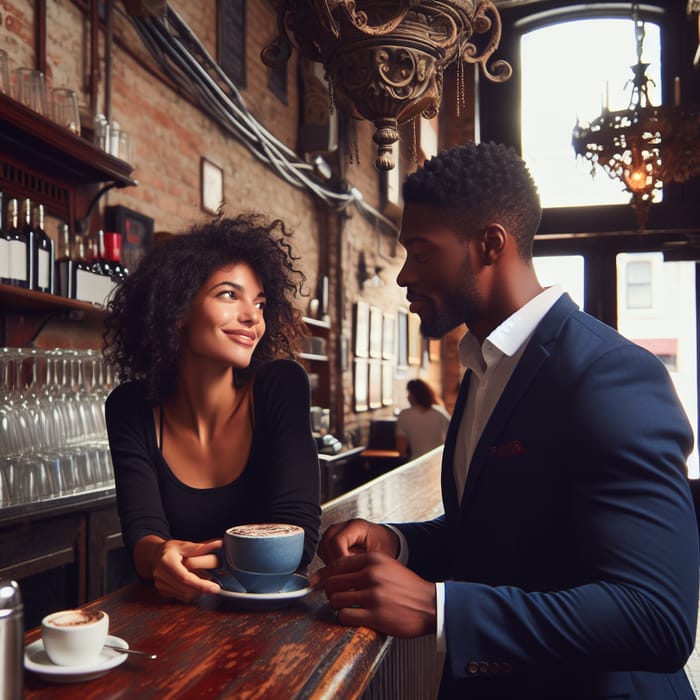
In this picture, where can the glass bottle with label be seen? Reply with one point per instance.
(43, 253)
(4, 246)
(82, 272)
(113, 251)
(30, 242)
(101, 263)
(64, 264)
(17, 246)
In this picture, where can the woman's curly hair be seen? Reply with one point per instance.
(142, 338)
(481, 184)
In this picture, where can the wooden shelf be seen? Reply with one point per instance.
(44, 146)
(18, 299)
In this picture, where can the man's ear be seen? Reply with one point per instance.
(493, 243)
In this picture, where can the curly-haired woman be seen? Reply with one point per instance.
(210, 425)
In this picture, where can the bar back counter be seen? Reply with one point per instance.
(218, 648)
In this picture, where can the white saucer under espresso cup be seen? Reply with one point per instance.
(74, 637)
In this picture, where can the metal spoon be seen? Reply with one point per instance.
(132, 651)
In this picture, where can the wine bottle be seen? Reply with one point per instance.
(17, 246)
(101, 263)
(82, 273)
(4, 246)
(90, 283)
(113, 251)
(30, 243)
(65, 264)
(43, 254)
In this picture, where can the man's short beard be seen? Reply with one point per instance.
(439, 324)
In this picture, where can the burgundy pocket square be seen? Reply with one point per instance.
(508, 449)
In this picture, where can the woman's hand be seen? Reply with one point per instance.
(175, 567)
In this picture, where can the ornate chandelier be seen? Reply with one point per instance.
(643, 146)
(384, 59)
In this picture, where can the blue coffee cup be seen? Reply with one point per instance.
(263, 556)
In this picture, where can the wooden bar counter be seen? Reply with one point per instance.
(213, 649)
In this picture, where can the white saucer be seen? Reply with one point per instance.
(36, 660)
(296, 587)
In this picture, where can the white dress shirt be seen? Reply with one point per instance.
(491, 365)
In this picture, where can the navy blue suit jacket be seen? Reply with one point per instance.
(571, 566)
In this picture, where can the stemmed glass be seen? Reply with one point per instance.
(26, 476)
(52, 428)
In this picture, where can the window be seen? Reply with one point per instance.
(569, 71)
(232, 43)
(638, 285)
(565, 270)
(277, 82)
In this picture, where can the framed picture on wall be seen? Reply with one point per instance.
(375, 383)
(414, 340)
(361, 385)
(402, 335)
(387, 383)
(388, 335)
(361, 329)
(212, 184)
(136, 230)
(375, 332)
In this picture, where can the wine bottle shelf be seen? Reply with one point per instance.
(29, 300)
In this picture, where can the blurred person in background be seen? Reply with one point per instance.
(422, 426)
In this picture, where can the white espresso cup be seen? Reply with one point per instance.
(74, 637)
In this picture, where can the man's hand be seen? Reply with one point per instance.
(375, 590)
(356, 536)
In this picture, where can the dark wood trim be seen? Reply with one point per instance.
(40, 34)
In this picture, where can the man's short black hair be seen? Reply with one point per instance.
(480, 184)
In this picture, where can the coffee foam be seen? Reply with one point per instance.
(75, 618)
(265, 530)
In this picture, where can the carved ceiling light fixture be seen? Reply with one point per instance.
(643, 146)
(384, 59)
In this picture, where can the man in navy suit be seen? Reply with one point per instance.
(565, 564)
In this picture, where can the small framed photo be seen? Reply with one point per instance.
(361, 328)
(387, 383)
(375, 332)
(375, 383)
(402, 334)
(414, 340)
(212, 184)
(388, 336)
(361, 385)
